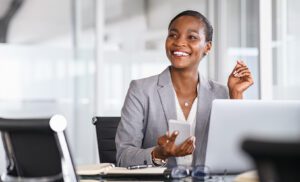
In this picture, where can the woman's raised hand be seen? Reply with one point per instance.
(239, 80)
(166, 146)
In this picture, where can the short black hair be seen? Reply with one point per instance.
(208, 28)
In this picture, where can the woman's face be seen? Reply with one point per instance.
(186, 44)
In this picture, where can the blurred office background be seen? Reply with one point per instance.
(77, 57)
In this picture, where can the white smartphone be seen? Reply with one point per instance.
(184, 128)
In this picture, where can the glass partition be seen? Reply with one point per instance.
(238, 35)
(286, 45)
(47, 61)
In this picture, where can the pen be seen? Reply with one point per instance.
(139, 166)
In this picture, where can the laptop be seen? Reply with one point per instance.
(232, 121)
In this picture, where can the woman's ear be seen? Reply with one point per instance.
(207, 47)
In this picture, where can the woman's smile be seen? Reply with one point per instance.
(180, 53)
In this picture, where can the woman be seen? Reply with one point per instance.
(179, 93)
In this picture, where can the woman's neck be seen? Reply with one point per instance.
(184, 81)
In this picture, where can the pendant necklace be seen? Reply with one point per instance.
(186, 103)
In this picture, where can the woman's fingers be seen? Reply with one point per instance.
(241, 71)
(162, 140)
(173, 136)
(186, 147)
(240, 65)
(239, 81)
(235, 68)
(241, 62)
(169, 144)
(244, 73)
(170, 149)
(238, 70)
(191, 149)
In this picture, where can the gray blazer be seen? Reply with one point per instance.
(148, 106)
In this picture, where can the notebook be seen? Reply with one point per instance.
(109, 170)
(94, 169)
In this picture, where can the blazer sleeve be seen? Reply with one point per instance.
(130, 132)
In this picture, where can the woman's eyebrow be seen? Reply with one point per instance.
(193, 31)
(173, 30)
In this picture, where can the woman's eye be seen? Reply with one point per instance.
(191, 37)
(172, 36)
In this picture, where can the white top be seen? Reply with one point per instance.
(187, 160)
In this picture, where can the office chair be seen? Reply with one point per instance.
(106, 128)
(275, 161)
(36, 150)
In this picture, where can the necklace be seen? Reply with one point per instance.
(186, 103)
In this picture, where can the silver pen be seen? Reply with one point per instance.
(139, 166)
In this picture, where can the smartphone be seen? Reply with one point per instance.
(184, 128)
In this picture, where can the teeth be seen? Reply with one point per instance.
(178, 53)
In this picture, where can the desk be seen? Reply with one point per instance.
(94, 169)
(189, 179)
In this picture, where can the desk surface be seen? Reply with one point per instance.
(93, 178)
(226, 179)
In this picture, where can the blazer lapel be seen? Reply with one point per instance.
(205, 96)
(202, 120)
(166, 94)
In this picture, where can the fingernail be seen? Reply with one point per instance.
(241, 62)
(176, 132)
(234, 72)
(193, 138)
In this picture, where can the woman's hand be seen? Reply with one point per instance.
(239, 80)
(166, 146)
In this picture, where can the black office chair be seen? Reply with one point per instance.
(106, 128)
(36, 150)
(275, 161)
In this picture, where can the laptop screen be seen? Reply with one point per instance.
(234, 120)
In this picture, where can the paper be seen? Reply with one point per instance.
(110, 169)
(149, 170)
(94, 169)
(250, 176)
(184, 128)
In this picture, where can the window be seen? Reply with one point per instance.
(286, 45)
(47, 67)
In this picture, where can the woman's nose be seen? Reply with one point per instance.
(180, 42)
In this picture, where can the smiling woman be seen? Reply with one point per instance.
(181, 93)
